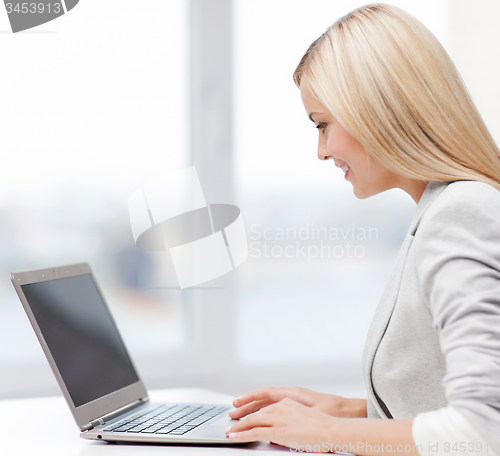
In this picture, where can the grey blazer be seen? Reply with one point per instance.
(435, 338)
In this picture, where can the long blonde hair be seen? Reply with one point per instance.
(386, 78)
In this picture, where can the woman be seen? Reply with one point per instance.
(392, 112)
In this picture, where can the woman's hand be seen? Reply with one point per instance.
(288, 423)
(327, 403)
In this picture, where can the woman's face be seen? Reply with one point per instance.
(367, 176)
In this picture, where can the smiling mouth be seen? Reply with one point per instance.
(344, 167)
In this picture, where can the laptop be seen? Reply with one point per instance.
(94, 370)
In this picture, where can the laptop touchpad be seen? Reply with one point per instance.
(224, 421)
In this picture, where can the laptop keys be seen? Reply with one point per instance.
(173, 420)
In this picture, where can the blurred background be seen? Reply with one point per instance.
(115, 94)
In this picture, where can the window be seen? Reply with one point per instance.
(96, 103)
(93, 106)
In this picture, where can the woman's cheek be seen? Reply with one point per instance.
(336, 147)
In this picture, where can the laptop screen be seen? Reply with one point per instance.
(81, 336)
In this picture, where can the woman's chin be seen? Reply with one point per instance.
(362, 193)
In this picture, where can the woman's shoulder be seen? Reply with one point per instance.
(471, 188)
(461, 207)
(466, 199)
(462, 220)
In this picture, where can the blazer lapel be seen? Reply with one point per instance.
(388, 300)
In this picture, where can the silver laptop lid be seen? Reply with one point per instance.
(80, 340)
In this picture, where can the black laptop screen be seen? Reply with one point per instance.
(81, 337)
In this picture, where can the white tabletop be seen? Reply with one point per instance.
(45, 427)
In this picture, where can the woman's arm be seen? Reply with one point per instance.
(457, 257)
(375, 437)
(305, 429)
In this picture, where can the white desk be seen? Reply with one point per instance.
(45, 427)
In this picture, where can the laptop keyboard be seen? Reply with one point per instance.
(173, 419)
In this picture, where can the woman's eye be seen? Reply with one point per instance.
(321, 126)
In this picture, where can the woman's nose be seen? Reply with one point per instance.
(323, 152)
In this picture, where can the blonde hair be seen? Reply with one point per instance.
(386, 78)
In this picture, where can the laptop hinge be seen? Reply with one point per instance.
(103, 419)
